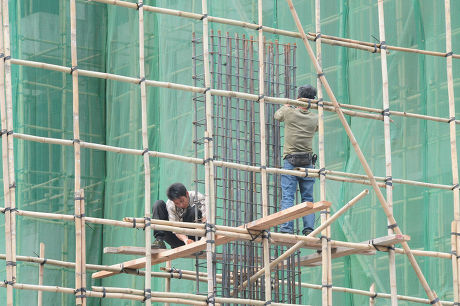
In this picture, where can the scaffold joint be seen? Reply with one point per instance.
(74, 68)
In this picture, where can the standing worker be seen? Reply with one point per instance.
(300, 125)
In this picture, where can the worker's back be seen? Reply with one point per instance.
(299, 128)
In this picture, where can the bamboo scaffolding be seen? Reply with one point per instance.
(453, 135)
(5, 164)
(146, 159)
(431, 295)
(226, 93)
(299, 244)
(326, 268)
(81, 265)
(80, 274)
(301, 172)
(263, 152)
(375, 295)
(388, 47)
(41, 269)
(186, 275)
(221, 230)
(387, 137)
(327, 39)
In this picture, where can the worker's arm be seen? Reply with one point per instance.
(184, 238)
(173, 217)
(279, 115)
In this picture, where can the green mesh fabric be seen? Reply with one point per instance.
(107, 38)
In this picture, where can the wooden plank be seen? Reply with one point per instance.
(315, 259)
(294, 212)
(129, 250)
(189, 249)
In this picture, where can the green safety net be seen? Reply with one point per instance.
(110, 113)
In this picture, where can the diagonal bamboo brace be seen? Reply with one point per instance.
(431, 295)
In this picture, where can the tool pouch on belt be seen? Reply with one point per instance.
(301, 159)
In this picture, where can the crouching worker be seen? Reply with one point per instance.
(182, 206)
(300, 125)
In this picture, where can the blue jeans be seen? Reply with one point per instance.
(289, 188)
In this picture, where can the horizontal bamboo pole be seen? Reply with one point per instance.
(223, 93)
(376, 110)
(188, 228)
(389, 47)
(376, 294)
(343, 289)
(326, 39)
(300, 173)
(90, 293)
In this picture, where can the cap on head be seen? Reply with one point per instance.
(307, 91)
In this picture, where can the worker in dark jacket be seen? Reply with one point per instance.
(300, 125)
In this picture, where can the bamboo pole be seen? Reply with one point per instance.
(41, 269)
(145, 145)
(5, 163)
(327, 39)
(301, 172)
(325, 250)
(452, 130)
(227, 93)
(299, 244)
(388, 47)
(453, 248)
(431, 295)
(263, 151)
(79, 229)
(375, 294)
(377, 110)
(372, 298)
(209, 164)
(387, 141)
(167, 281)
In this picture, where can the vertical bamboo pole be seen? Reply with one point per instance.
(386, 128)
(209, 168)
(452, 130)
(145, 145)
(372, 299)
(83, 243)
(263, 149)
(41, 269)
(79, 243)
(5, 160)
(168, 279)
(431, 295)
(325, 245)
(453, 247)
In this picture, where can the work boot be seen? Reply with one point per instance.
(158, 244)
(307, 231)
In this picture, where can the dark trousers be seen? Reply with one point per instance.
(160, 212)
